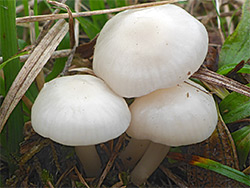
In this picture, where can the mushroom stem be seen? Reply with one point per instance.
(89, 159)
(133, 152)
(149, 163)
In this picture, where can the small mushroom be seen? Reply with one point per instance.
(80, 111)
(142, 50)
(181, 115)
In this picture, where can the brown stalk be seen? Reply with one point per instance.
(89, 13)
(71, 21)
(82, 180)
(213, 78)
(63, 176)
(73, 43)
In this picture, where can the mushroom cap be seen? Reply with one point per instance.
(142, 50)
(79, 110)
(181, 115)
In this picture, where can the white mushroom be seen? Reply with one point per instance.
(133, 152)
(142, 50)
(181, 115)
(80, 111)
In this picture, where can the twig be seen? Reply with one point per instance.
(50, 184)
(223, 14)
(82, 180)
(89, 13)
(246, 170)
(63, 175)
(173, 177)
(111, 160)
(71, 21)
(71, 33)
(246, 120)
(47, 26)
(68, 63)
(216, 79)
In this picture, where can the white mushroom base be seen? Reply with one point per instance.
(150, 161)
(133, 152)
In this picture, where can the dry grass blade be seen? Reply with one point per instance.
(173, 177)
(80, 177)
(71, 21)
(213, 78)
(31, 68)
(111, 160)
(247, 170)
(90, 13)
(71, 33)
(64, 175)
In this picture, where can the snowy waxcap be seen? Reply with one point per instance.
(181, 115)
(79, 110)
(142, 50)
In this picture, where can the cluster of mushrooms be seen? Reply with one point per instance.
(147, 54)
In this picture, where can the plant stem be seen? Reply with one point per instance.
(11, 136)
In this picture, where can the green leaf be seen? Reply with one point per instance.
(213, 166)
(236, 47)
(242, 141)
(98, 20)
(235, 107)
(89, 28)
(228, 67)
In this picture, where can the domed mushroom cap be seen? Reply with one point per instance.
(142, 50)
(79, 110)
(181, 115)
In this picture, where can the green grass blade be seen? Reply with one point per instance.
(11, 135)
(2, 65)
(235, 107)
(35, 14)
(26, 7)
(98, 20)
(213, 166)
(89, 28)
